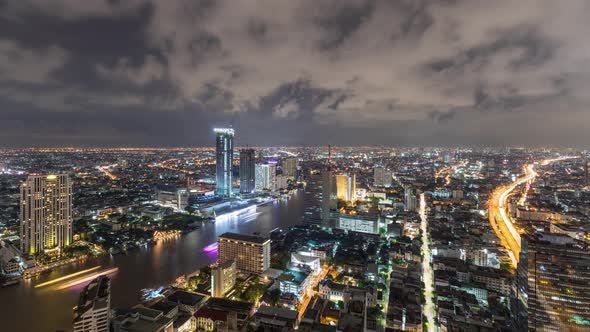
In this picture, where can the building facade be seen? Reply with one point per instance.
(45, 213)
(93, 312)
(346, 187)
(381, 177)
(251, 253)
(553, 284)
(247, 171)
(290, 167)
(223, 278)
(224, 152)
(265, 176)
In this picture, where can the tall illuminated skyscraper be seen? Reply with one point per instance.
(247, 171)
(346, 187)
(45, 213)
(224, 150)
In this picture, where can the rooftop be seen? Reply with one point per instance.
(244, 238)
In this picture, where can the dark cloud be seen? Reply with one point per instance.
(144, 72)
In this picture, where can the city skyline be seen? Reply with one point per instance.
(404, 73)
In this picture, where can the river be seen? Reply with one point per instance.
(25, 308)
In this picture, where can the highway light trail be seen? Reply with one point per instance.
(504, 226)
(427, 273)
(51, 282)
(87, 278)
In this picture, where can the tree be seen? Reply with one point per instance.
(275, 296)
(189, 209)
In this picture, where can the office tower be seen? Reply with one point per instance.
(552, 284)
(328, 197)
(94, 307)
(265, 176)
(346, 187)
(247, 171)
(251, 253)
(290, 167)
(224, 149)
(410, 201)
(381, 177)
(45, 213)
(223, 278)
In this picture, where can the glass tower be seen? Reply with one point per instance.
(247, 176)
(224, 149)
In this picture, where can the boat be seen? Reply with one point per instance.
(10, 282)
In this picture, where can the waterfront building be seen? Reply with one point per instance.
(346, 187)
(224, 152)
(223, 278)
(251, 253)
(93, 312)
(265, 176)
(553, 284)
(247, 171)
(290, 167)
(45, 213)
(382, 177)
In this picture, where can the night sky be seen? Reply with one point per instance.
(295, 72)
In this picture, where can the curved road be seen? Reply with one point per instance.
(500, 220)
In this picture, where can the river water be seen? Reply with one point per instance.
(25, 308)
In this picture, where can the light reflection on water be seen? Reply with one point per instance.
(149, 267)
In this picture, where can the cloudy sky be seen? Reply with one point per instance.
(305, 72)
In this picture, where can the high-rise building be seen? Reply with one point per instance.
(346, 187)
(45, 213)
(381, 177)
(265, 176)
(247, 171)
(93, 312)
(328, 199)
(251, 253)
(290, 167)
(410, 200)
(224, 150)
(223, 278)
(552, 284)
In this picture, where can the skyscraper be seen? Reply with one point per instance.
(381, 177)
(224, 149)
(346, 187)
(93, 312)
(290, 167)
(247, 171)
(45, 213)
(265, 176)
(552, 284)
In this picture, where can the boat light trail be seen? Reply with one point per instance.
(51, 282)
(88, 278)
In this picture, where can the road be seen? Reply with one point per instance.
(105, 170)
(500, 221)
(314, 282)
(428, 309)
